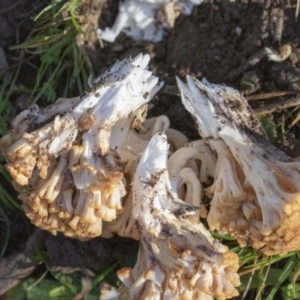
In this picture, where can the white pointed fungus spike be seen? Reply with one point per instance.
(66, 158)
(176, 260)
(256, 192)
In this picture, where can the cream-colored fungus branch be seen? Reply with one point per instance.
(176, 260)
(68, 160)
(264, 191)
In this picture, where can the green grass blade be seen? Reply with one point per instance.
(12, 83)
(102, 276)
(282, 277)
(50, 7)
(48, 83)
(6, 240)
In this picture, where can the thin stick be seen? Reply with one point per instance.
(279, 26)
(38, 281)
(270, 95)
(249, 282)
(263, 283)
(251, 61)
(280, 105)
(249, 270)
(297, 11)
(296, 120)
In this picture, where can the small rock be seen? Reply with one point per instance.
(289, 144)
(250, 82)
(294, 86)
(284, 74)
(295, 56)
(238, 31)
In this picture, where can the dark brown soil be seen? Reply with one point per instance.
(222, 41)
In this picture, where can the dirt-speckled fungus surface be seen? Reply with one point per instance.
(67, 161)
(256, 190)
(176, 260)
(124, 224)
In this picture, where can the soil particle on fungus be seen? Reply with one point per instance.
(250, 82)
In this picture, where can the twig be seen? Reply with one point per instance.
(280, 105)
(85, 56)
(249, 270)
(42, 43)
(249, 282)
(279, 26)
(263, 283)
(295, 277)
(297, 11)
(38, 281)
(270, 95)
(296, 120)
(252, 61)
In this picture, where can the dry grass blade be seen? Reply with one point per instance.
(277, 106)
(263, 283)
(249, 283)
(270, 95)
(247, 271)
(296, 120)
(43, 41)
(297, 10)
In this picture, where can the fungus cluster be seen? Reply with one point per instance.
(176, 260)
(95, 165)
(148, 20)
(256, 190)
(68, 160)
